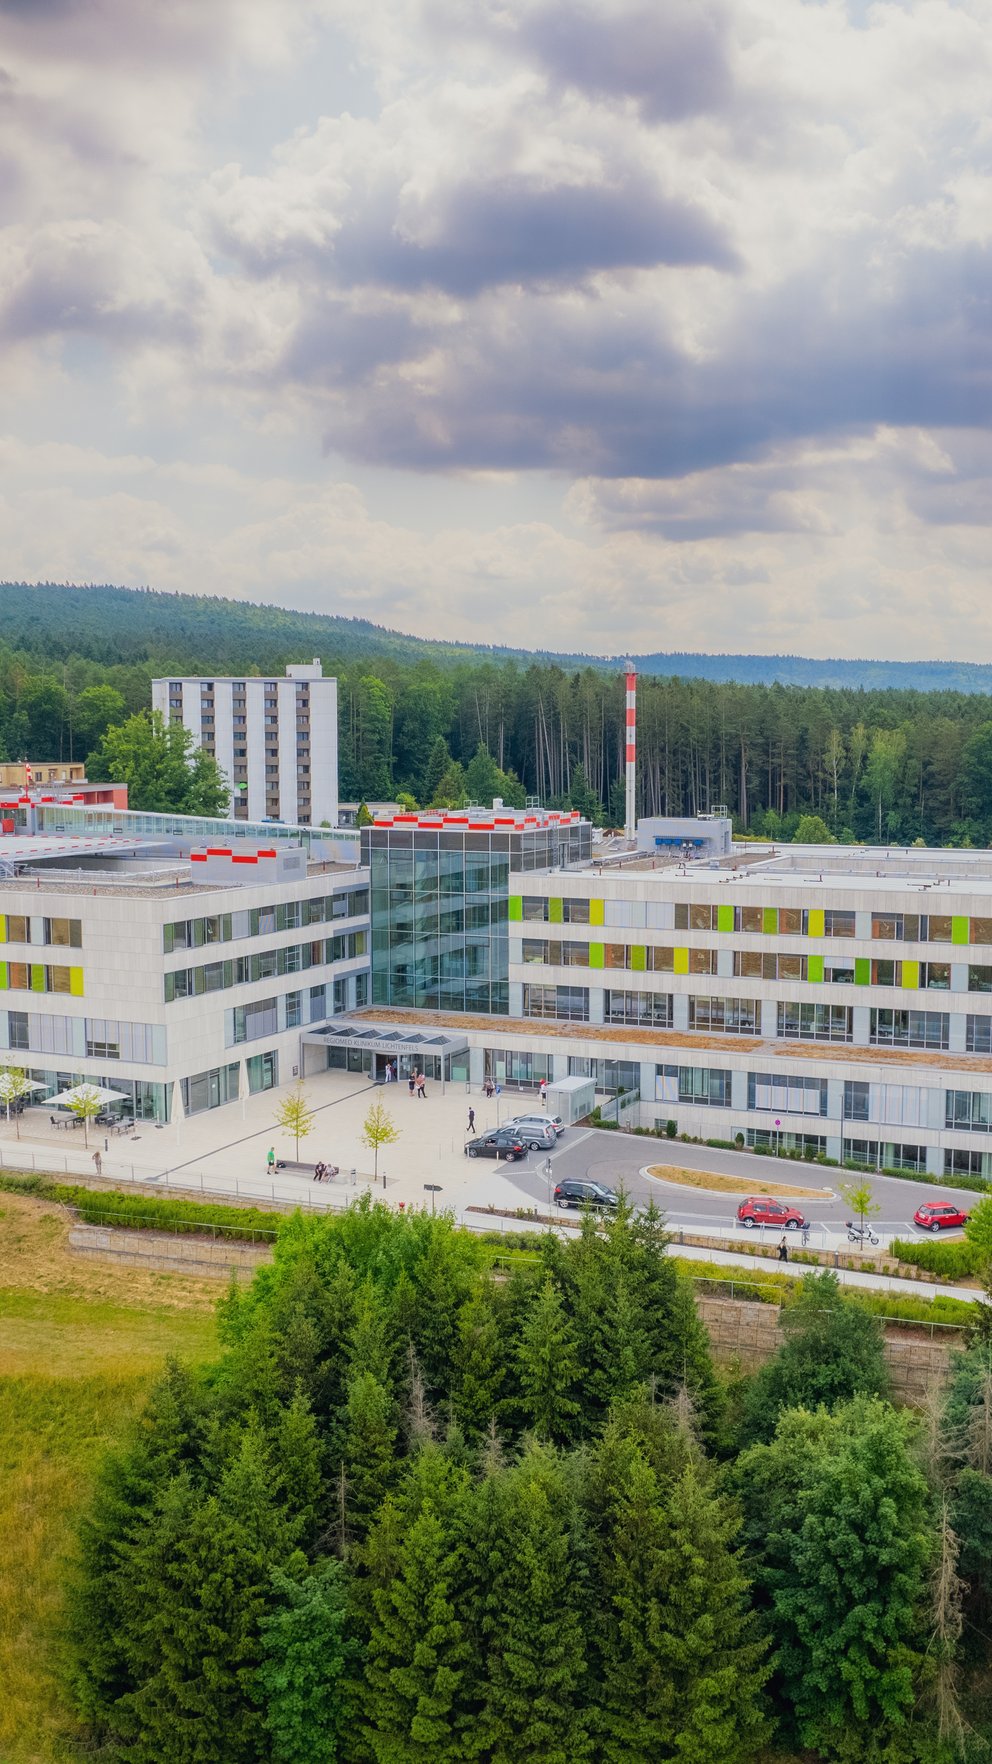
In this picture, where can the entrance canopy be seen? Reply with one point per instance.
(383, 1039)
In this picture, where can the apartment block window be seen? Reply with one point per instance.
(653, 1009)
(727, 1016)
(909, 1029)
(968, 1111)
(785, 1094)
(815, 1022)
(978, 1034)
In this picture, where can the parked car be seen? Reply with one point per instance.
(760, 1209)
(502, 1142)
(537, 1134)
(555, 1122)
(575, 1193)
(939, 1216)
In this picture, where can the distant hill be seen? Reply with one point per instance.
(55, 621)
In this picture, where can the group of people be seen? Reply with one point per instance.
(325, 1172)
(417, 1085)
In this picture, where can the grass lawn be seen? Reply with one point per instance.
(717, 1184)
(79, 1343)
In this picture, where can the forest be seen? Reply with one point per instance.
(892, 765)
(431, 1506)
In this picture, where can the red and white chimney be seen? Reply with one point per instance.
(630, 827)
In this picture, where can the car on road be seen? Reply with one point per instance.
(502, 1142)
(760, 1209)
(575, 1192)
(546, 1122)
(537, 1135)
(939, 1216)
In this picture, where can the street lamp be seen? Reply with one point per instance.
(548, 1174)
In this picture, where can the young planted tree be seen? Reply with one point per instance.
(85, 1105)
(378, 1129)
(294, 1115)
(860, 1197)
(14, 1084)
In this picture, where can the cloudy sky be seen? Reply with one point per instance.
(604, 324)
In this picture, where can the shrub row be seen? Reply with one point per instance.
(147, 1212)
(955, 1261)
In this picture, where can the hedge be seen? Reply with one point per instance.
(147, 1212)
(956, 1261)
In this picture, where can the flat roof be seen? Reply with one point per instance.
(45, 848)
(915, 870)
(374, 1038)
(483, 820)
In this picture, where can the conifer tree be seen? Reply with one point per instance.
(298, 1467)
(369, 1448)
(417, 1652)
(527, 1615)
(479, 1362)
(439, 1293)
(832, 1352)
(306, 1655)
(548, 1368)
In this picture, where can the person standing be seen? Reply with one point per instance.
(783, 1251)
(270, 1161)
(471, 1121)
(97, 1163)
(412, 1082)
(544, 1094)
(422, 1086)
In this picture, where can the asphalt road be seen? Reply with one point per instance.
(618, 1158)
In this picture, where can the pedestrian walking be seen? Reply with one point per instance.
(270, 1161)
(783, 1251)
(471, 1121)
(97, 1163)
(412, 1083)
(422, 1086)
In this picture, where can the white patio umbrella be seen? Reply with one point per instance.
(89, 1093)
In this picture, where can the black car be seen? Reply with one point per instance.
(585, 1194)
(502, 1142)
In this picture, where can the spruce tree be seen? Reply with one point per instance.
(548, 1368)
(479, 1362)
(417, 1652)
(527, 1615)
(369, 1448)
(832, 1351)
(306, 1654)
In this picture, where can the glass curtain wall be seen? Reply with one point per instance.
(439, 919)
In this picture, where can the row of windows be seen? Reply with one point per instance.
(40, 977)
(36, 928)
(264, 921)
(771, 921)
(268, 964)
(752, 964)
(95, 1038)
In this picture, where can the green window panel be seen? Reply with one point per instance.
(816, 922)
(724, 918)
(37, 973)
(769, 921)
(960, 929)
(596, 955)
(680, 961)
(814, 967)
(597, 912)
(3, 927)
(515, 907)
(555, 914)
(4, 976)
(76, 982)
(862, 971)
(639, 958)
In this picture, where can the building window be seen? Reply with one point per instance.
(909, 1029)
(815, 1022)
(884, 1154)
(361, 990)
(979, 979)
(210, 1090)
(969, 1111)
(611, 1076)
(254, 1020)
(838, 924)
(772, 1093)
(729, 1016)
(653, 1009)
(857, 1100)
(978, 1034)
(778, 1139)
(967, 1163)
(700, 1086)
(567, 1003)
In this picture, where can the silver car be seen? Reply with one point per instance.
(536, 1131)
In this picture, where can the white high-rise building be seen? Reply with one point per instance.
(275, 739)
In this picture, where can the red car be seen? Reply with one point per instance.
(939, 1216)
(759, 1209)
